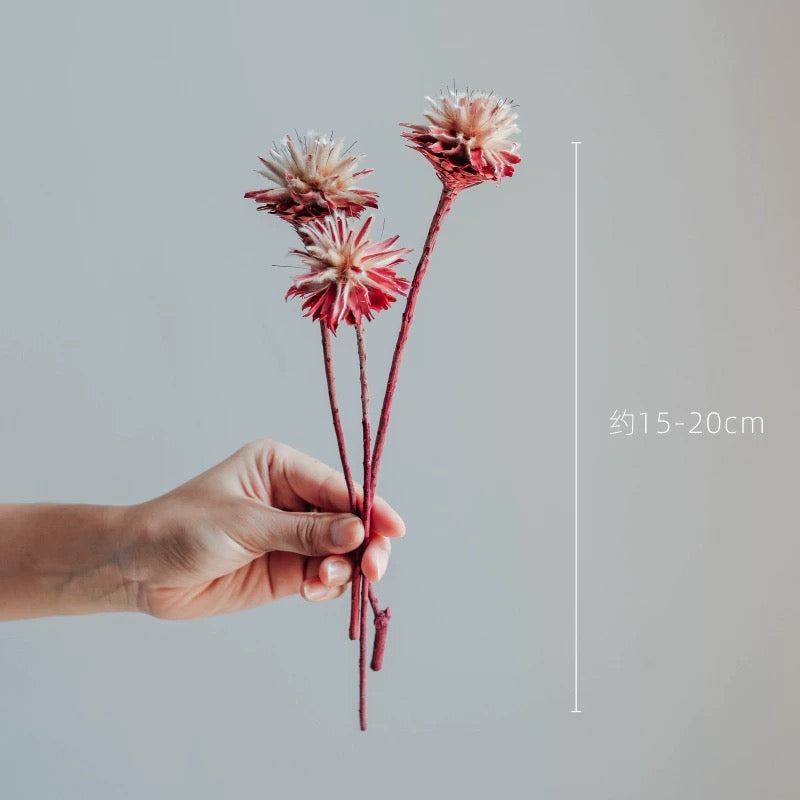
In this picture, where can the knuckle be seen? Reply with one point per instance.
(307, 532)
(264, 454)
(256, 446)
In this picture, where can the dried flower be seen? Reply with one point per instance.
(468, 140)
(314, 177)
(349, 277)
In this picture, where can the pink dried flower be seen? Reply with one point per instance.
(349, 277)
(313, 177)
(468, 140)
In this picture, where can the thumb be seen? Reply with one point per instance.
(314, 533)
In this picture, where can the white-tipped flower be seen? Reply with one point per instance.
(469, 138)
(349, 277)
(313, 176)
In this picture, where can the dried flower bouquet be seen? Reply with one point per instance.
(468, 139)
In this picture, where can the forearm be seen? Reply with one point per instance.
(63, 559)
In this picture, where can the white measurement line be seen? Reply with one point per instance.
(575, 709)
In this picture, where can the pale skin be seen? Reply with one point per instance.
(266, 523)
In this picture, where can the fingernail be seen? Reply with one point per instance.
(337, 571)
(314, 590)
(345, 532)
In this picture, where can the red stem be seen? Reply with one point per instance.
(381, 627)
(366, 514)
(355, 617)
(348, 474)
(381, 621)
(373, 601)
(362, 656)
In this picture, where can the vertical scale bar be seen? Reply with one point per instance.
(575, 709)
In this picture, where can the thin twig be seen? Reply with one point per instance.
(366, 517)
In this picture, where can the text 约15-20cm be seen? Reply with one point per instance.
(713, 423)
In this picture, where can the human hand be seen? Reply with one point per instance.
(247, 532)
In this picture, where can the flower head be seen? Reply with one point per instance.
(468, 140)
(313, 177)
(349, 277)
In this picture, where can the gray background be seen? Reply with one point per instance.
(144, 337)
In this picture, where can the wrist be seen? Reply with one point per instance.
(65, 559)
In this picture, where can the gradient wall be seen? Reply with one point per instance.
(143, 337)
